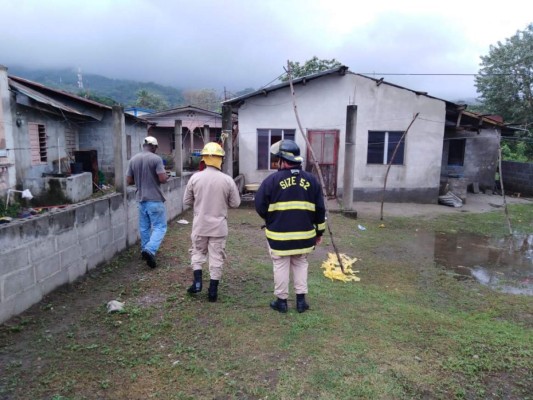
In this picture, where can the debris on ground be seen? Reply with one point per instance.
(114, 305)
(451, 200)
(332, 269)
(182, 221)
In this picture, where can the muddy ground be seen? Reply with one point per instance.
(170, 346)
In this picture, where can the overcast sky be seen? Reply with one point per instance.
(235, 44)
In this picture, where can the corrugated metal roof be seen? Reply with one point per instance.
(198, 118)
(41, 98)
(175, 110)
(338, 70)
(341, 70)
(41, 88)
(63, 100)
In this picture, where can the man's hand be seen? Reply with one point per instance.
(318, 240)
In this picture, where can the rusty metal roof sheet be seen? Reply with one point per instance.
(41, 98)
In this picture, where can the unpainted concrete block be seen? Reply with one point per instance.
(89, 246)
(52, 282)
(110, 251)
(13, 260)
(62, 221)
(105, 237)
(47, 266)
(16, 305)
(67, 239)
(103, 222)
(84, 213)
(77, 270)
(18, 282)
(118, 216)
(119, 232)
(95, 260)
(87, 230)
(69, 255)
(101, 207)
(42, 248)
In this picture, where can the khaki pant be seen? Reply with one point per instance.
(215, 248)
(283, 266)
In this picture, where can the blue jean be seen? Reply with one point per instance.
(152, 225)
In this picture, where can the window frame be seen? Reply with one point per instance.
(456, 152)
(38, 143)
(267, 133)
(385, 148)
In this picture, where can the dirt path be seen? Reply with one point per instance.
(475, 203)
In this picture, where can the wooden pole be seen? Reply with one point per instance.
(227, 139)
(315, 163)
(501, 185)
(390, 163)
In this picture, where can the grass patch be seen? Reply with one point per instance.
(407, 330)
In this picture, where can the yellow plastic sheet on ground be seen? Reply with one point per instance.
(332, 269)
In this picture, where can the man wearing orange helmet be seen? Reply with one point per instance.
(210, 192)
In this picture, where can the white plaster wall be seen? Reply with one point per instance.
(7, 162)
(30, 176)
(322, 103)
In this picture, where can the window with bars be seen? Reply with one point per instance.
(38, 147)
(381, 145)
(70, 141)
(265, 139)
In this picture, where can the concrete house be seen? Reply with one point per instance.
(43, 131)
(354, 123)
(470, 149)
(198, 126)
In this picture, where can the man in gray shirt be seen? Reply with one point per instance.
(147, 173)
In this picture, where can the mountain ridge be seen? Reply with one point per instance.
(101, 88)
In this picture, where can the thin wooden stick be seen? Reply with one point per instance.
(501, 186)
(315, 163)
(390, 163)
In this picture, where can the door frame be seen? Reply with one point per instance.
(331, 167)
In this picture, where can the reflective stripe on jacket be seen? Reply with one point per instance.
(291, 203)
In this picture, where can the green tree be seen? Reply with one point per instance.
(108, 101)
(505, 82)
(311, 66)
(515, 152)
(150, 100)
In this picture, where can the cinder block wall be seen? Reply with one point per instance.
(42, 253)
(518, 177)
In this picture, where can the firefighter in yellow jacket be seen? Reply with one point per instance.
(210, 192)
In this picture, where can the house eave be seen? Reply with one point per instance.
(236, 101)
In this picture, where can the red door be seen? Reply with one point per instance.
(325, 145)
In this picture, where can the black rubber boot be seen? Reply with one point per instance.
(212, 293)
(301, 305)
(196, 286)
(279, 305)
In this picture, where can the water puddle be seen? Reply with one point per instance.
(503, 264)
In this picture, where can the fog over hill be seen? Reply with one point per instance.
(122, 91)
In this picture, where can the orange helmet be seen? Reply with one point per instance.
(213, 149)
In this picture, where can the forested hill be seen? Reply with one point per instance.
(98, 87)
